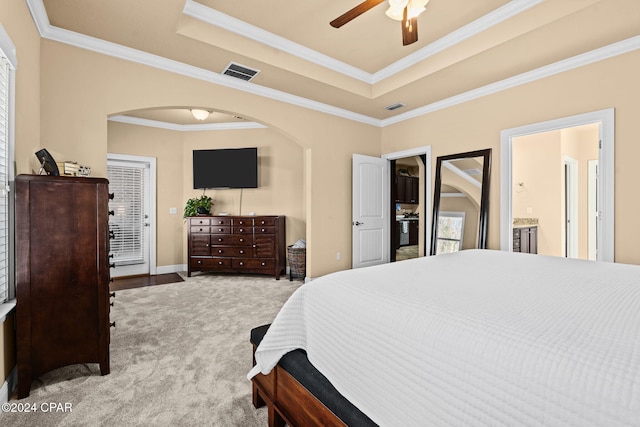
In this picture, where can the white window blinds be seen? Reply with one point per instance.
(4, 178)
(128, 221)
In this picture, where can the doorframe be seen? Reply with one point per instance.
(570, 207)
(592, 209)
(426, 215)
(606, 209)
(153, 269)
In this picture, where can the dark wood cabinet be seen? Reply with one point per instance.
(525, 239)
(241, 244)
(413, 232)
(62, 274)
(407, 189)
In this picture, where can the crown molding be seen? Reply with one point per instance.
(481, 24)
(186, 128)
(218, 19)
(596, 55)
(104, 47)
(82, 41)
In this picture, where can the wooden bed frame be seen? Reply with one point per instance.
(289, 402)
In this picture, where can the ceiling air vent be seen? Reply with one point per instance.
(394, 106)
(240, 71)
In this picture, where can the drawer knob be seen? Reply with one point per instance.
(199, 262)
(111, 196)
(241, 230)
(263, 263)
(112, 294)
(241, 263)
(220, 229)
(202, 229)
(219, 262)
(220, 222)
(219, 251)
(206, 244)
(112, 324)
(219, 240)
(112, 213)
(111, 304)
(242, 240)
(262, 223)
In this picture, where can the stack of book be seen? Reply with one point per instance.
(73, 169)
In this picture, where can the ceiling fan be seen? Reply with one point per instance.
(406, 11)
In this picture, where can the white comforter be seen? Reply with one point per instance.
(473, 338)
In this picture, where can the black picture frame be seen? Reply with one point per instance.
(47, 162)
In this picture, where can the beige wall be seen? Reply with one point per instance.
(477, 124)
(65, 109)
(281, 178)
(538, 182)
(16, 20)
(166, 147)
(538, 164)
(81, 88)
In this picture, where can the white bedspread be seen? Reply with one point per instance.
(473, 338)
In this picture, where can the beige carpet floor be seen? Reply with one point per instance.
(179, 357)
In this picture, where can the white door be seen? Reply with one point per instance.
(131, 222)
(370, 211)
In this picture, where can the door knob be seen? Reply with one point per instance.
(357, 223)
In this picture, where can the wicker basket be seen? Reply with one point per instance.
(297, 262)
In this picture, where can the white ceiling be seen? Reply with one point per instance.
(362, 67)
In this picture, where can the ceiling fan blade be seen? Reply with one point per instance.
(409, 29)
(355, 12)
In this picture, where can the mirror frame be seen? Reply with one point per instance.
(484, 197)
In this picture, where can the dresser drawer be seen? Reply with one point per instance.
(253, 263)
(231, 239)
(242, 230)
(260, 221)
(221, 221)
(200, 229)
(199, 221)
(243, 222)
(217, 229)
(264, 230)
(232, 251)
(210, 263)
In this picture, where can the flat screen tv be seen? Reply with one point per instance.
(225, 168)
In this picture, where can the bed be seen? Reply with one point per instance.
(478, 337)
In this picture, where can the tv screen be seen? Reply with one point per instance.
(225, 168)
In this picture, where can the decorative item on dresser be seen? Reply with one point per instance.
(62, 274)
(239, 244)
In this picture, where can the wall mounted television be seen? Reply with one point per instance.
(225, 168)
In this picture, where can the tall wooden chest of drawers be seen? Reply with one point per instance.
(238, 244)
(62, 274)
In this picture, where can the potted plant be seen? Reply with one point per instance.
(198, 206)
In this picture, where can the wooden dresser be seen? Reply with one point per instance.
(62, 274)
(239, 244)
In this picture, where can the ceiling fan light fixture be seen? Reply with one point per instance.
(199, 114)
(396, 9)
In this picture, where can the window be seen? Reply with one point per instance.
(450, 232)
(7, 67)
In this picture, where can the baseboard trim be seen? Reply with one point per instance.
(9, 385)
(165, 269)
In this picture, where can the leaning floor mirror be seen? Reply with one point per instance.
(461, 202)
